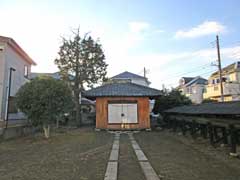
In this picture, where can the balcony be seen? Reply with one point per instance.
(229, 89)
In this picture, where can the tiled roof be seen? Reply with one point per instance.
(127, 75)
(218, 108)
(122, 89)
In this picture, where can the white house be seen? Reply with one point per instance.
(12, 58)
(131, 77)
(193, 87)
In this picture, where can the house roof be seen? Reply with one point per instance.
(55, 75)
(216, 108)
(127, 75)
(187, 79)
(85, 101)
(230, 68)
(125, 89)
(17, 49)
(197, 80)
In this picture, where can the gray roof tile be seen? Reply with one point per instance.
(126, 75)
(218, 108)
(122, 89)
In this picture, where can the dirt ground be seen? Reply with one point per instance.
(177, 157)
(79, 154)
(82, 154)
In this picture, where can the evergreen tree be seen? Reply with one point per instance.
(81, 61)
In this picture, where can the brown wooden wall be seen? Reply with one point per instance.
(102, 113)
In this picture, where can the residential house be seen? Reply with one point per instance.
(131, 77)
(193, 88)
(231, 84)
(13, 57)
(122, 105)
(55, 75)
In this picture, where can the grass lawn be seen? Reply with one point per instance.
(178, 157)
(79, 154)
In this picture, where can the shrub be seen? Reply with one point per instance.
(44, 100)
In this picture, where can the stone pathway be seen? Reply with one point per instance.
(112, 167)
(147, 169)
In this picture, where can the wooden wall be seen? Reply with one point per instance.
(102, 113)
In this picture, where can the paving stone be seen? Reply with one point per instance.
(133, 142)
(131, 137)
(114, 155)
(140, 155)
(111, 172)
(115, 145)
(148, 171)
(136, 146)
(116, 137)
(116, 141)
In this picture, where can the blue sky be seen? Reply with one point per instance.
(170, 38)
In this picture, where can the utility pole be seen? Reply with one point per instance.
(220, 68)
(144, 72)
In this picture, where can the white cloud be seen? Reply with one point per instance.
(206, 28)
(138, 27)
(166, 68)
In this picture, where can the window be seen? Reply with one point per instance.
(189, 90)
(218, 80)
(25, 71)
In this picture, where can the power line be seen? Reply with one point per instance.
(177, 75)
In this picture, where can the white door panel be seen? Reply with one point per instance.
(122, 113)
(132, 113)
(114, 113)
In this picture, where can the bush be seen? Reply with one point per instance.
(44, 100)
(209, 101)
(169, 100)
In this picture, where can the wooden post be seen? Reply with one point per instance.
(193, 129)
(205, 131)
(215, 132)
(174, 125)
(224, 135)
(183, 127)
(202, 130)
(233, 137)
(210, 132)
(168, 123)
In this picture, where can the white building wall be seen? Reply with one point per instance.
(2, 64)
(12, 59)
(197, 94)
(140, 82)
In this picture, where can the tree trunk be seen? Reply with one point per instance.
(46, 129)
(57, 123)
(78, 111)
